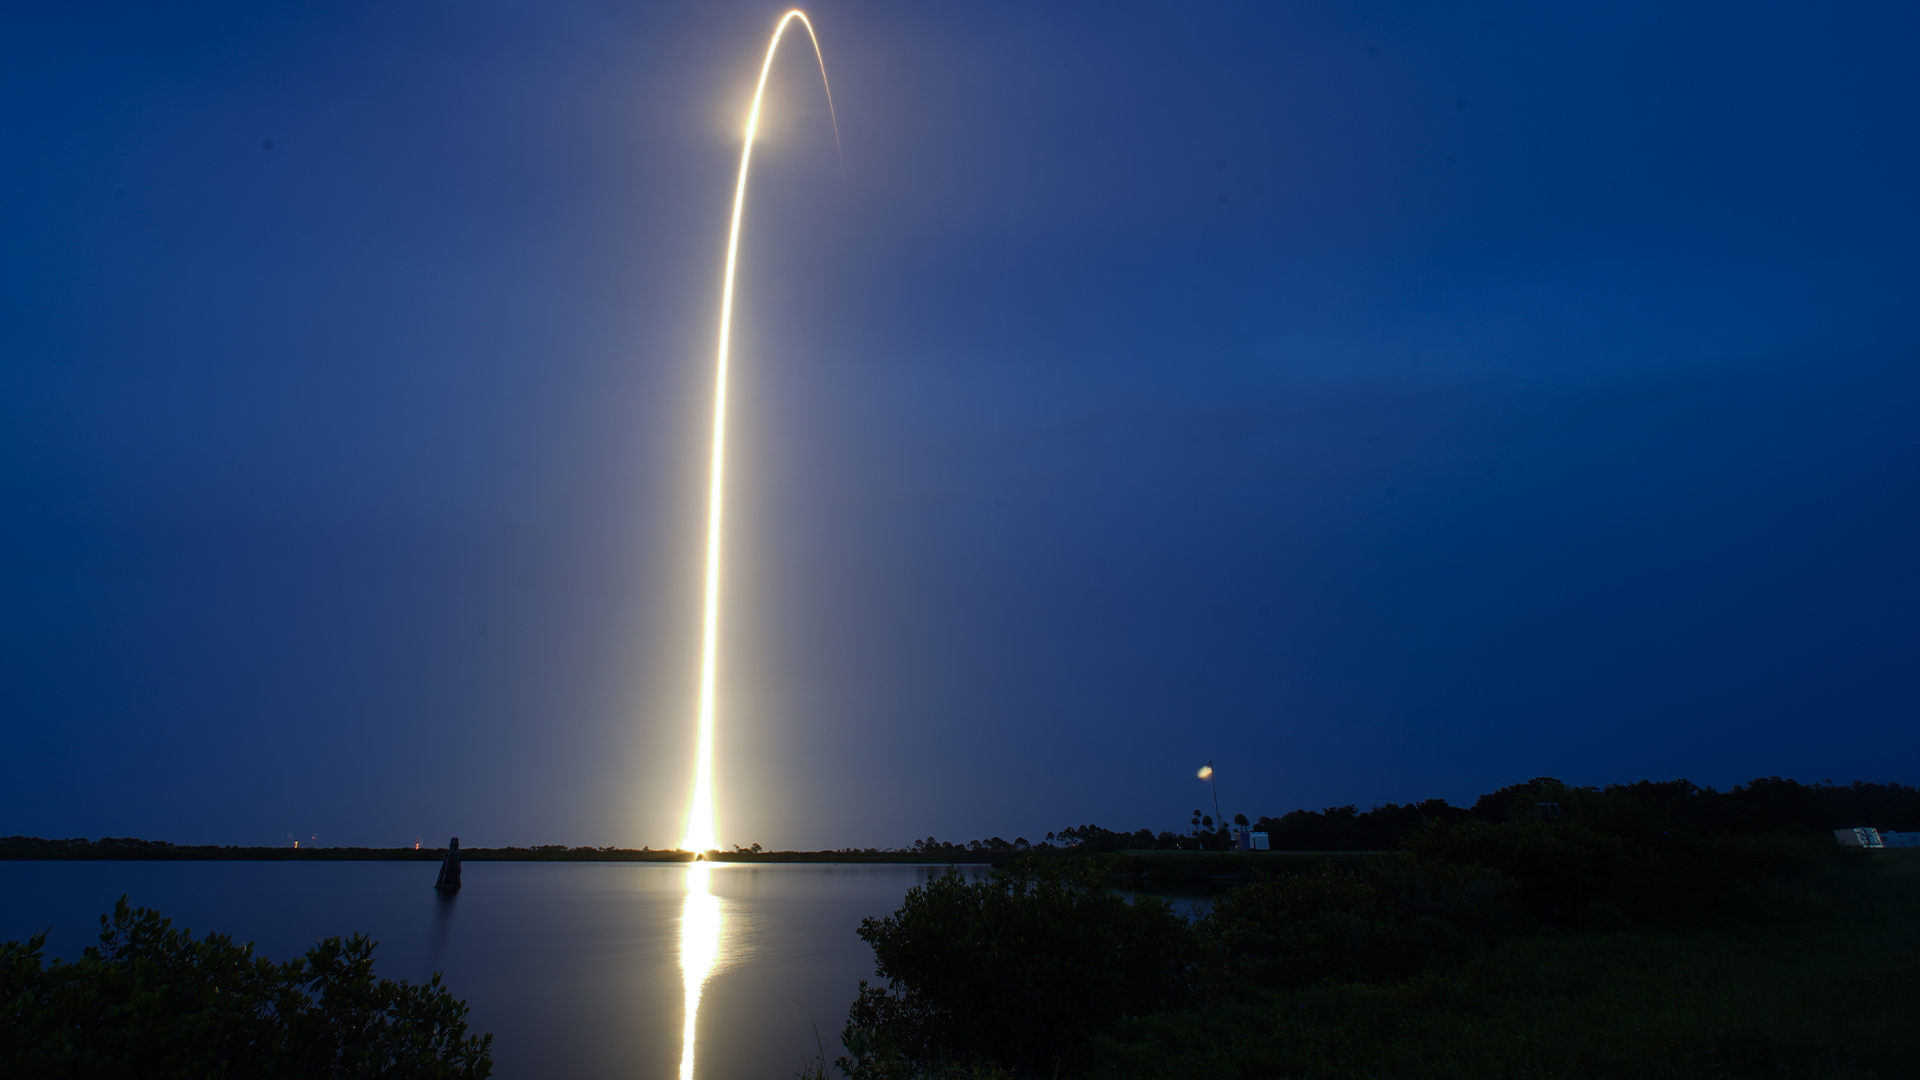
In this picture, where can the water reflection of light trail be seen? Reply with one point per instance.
(701, 832)
(700, 925)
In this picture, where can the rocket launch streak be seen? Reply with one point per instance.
(703, 918)
(702, 834)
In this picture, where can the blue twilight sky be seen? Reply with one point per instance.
(1382, 401)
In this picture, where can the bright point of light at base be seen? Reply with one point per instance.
(702, 832)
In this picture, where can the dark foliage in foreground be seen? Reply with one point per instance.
(1329, 923)
(150, 1001)
(1021, 970)
(1805, 997)
(1045, 971)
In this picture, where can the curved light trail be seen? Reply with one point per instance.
(702, 921)
(702, 834)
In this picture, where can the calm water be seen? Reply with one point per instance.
(579, 969)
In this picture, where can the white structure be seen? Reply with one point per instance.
(1861, 837)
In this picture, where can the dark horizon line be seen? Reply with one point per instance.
(33, 848)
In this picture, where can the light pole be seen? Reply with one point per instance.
(1206, 773)
(1213, 781)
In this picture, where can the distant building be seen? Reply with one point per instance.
(1900, 839)
(1861, 837)
(1247, 840)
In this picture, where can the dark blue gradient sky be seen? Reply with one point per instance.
(1383, 401)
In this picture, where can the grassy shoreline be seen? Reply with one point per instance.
(1821, 988)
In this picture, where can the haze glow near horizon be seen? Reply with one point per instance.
(702, 830)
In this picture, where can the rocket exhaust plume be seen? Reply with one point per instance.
(702, 919)
(702, 835)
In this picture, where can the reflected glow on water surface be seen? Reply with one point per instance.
(584, 971)
(701, 925)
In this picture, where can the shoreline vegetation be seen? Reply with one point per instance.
(1139, 865)
(152, 1000)
(1344, 834)
(1646, 930)
(110, 848)
(1637, 931)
